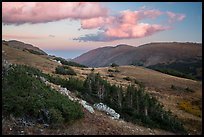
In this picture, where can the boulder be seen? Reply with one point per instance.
(86, 106)
(108, 110)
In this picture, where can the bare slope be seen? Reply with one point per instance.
(148, 54)
(23, 46)
(18, 56)
(104, 56)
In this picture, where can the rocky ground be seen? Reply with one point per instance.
(92, 124)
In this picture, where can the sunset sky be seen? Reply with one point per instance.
(68, 29)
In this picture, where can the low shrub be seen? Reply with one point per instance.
(111, 75)
(189, 89)
(65, 70)
(111, 70)
(24, 94)
(114, 65)
(127, 78)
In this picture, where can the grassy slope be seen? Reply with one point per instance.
(158, 84)
(21, 57)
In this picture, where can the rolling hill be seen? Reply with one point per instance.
(179, 57)
(147, 55)
(23, 46)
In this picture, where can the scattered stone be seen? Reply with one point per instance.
(46, 125)
(59, 62)
(43, 79)
(148, 128)
(110, 111)
(86, 106)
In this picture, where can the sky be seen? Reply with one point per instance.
(69, 29)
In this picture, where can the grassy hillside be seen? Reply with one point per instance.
(146, 55)
(179, 95)
(159, 85)
(188, 68)
(18, 56)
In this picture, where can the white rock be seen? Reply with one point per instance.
(43, 79)
(46, 83)
(86, 106)
(110, 111)
(59, 62)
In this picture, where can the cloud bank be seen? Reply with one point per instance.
(43, 12)
(126, 24)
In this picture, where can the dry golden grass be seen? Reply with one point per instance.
(189, 107)
(21, 57)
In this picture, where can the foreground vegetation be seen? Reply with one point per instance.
(25, 95)
(65, 70)
(133, 104)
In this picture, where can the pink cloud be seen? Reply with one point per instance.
(152, 14)
(175, 16)
(127, 17)
(126, 25)
(134, 30)
(34, 12)
(96, 22)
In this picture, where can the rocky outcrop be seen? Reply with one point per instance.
(67, 93)
(108, 110)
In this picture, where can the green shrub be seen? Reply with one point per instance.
(114, 65)
(141, 84)
(56, 117)
(111, 70)
(173, 87)
(127, 78)
(23, 94)
(133, 105)
(35, 52)
(111, 75)
(65, 70)
(189, 89)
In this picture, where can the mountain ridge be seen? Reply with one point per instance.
(148, 54)
(24, 46)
